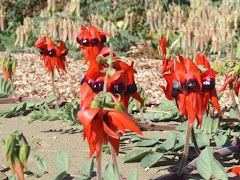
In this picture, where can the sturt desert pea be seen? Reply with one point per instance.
(8, 65)
(91, 42)
(52, 55)
(102, 126)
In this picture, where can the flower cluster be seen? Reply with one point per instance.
(103, 120)
(190, 86)
(52, 55)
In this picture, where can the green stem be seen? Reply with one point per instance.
(114, 159)
(53, 85)
(185, 152)
(235, 105)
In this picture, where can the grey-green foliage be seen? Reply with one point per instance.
(5, 88)
(67, 113)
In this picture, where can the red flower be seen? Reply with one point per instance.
(51, 54)
(202, 60)
(167, 62)
(91, 42)
(235, 170)
(101, 126)
(231, 79)
(192, 89)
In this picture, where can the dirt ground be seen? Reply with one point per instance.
(47, 138)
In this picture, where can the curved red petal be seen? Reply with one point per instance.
(124, 120)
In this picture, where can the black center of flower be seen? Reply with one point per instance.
(85, 42)
(105, 119)
(94, 42)
(97, 86)
(79, 41)
(64, 53)
(118, 88)
(52, 52)
(191, 85)
(43, 51)
(103, 39)
(131, 88)
(209, 84)
(177, 86)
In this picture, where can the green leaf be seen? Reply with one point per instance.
(133, 175)
(110, 173)
(170, 141)
(41, 163)
(48, 110)
(135, 138)
(204, 163)
(135, 156)
(81, 178)
(202, 140)
(218, 170)
(151, 159)
(222, 141)
(180, 140)
(233, 113)
(56, 108)
(62, 161)
(52, 99)
(87, 169)
(60, 176)
(146, 143)
(41, 110)
(215, 125)
(45, 118)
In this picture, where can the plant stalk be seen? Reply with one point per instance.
(198, 151)
(186, 149)
(12, 85)
(99, 166)
(141, 114)
(53, 85)
(114, 159)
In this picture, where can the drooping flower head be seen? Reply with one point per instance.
(52, 55)
(191, 88)
(91, 42)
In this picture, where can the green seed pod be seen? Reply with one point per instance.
(24, 152)
(4, 59)
(14, 64)
(7, 65)
(95, 104)
(236, 71)
(9, 145)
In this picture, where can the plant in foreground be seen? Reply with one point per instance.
(192, 88)
(16, 151)
(105, 92)
(53, 56)
(9, 64)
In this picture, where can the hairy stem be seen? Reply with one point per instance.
(185, 152)
(53, 85)
(12, 85)
(141, 114)
(198, 151)
(114, 159)
(99, 166)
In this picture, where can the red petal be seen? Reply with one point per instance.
(94, 32)
(86, 95)
(124, 120)
(163, 45)
(235, 170)
(214, 100)
(86, 116)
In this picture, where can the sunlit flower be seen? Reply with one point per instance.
(52, 55)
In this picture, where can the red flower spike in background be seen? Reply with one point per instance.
(167, 62)
(52, 55)
(235, 170)
(230, 79)
(102, 126)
